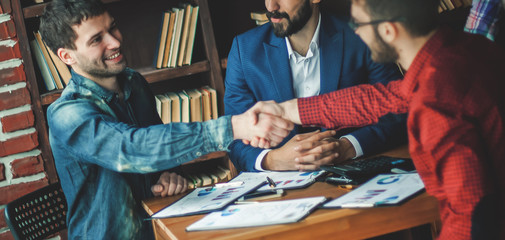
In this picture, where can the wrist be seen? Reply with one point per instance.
(235, 122)
(290, 111)
(266, 164)
(348, 148)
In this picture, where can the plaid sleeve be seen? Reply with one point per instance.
(357, 106)
(483, 17)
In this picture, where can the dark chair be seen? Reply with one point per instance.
(38, 214)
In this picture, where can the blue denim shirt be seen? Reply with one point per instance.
(107, 153)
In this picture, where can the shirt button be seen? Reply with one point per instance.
(220, 147)
(198, 154)
(307, 88)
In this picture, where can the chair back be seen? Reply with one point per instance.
(38, 214)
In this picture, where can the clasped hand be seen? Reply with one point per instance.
(260, 129)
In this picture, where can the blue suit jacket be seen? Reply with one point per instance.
(258, 70)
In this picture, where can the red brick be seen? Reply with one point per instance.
(7, 29)
(6, 236)
(2, 172)
(19, 144)
(17, 121)
(13, 192)
(27, 166)
(3, 223)
(13, 99)
(10, 52)
(5, 6)
(12, 75)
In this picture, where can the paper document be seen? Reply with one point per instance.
(384, 189)
(258, 214)
(283, 180)
(206, 199)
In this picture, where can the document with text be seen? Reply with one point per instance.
(382, 190)
(258, 214)
(206, 199)
(282, 179)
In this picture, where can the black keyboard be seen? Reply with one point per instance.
(359, 171)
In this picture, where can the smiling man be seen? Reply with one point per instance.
(108, 142)
(303, 52)
(453, 92)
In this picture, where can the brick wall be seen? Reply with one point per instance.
(21, 163)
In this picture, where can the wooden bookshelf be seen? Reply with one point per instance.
(139, 22)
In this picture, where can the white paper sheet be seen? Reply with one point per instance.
(258, 214)
(384, 189)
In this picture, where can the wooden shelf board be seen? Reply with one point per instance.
(50, 97)
(209, 156)
(37, 9)
(153, 75)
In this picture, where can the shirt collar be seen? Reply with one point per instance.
(125, 76)
(314, 43)
(429, 49)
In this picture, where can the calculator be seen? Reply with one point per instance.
(359, 171)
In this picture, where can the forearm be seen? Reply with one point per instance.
(352, 107)
(114, 145)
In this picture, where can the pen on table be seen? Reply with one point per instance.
(271, 182)
(348, 186)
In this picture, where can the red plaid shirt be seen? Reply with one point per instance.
(454, 93)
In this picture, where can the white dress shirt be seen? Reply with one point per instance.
(306, 72)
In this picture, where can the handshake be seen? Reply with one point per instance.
(266, 124)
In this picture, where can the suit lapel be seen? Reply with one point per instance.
(277, 57)
(331, 50)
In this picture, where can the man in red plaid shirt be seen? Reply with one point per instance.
(454, 93)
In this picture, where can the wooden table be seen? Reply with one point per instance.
(321, 224)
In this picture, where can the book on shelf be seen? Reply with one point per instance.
(175, 107)
(206, 105)
(62, 68)
(457, 3)
(42, 64)
(190, 105)
(449, 4)
(184, 33)
(195, 98)
(213, 98)
(185, 111)
(260, 17)
(191, 37)
(47, 58)
(174, 50)
(165, 108)
(168, 41)
(165, 21)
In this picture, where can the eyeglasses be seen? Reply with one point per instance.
(355, 25)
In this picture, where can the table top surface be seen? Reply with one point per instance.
(344, 223)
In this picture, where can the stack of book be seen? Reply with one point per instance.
(259, 17)
(177, 36)
(208, 178)
(191, 105)
(447, 5)
(55, 73)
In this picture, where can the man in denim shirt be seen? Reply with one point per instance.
(108, 142)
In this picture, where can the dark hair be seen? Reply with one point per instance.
(419, 17)
(60, 15)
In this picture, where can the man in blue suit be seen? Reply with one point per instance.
(304, 52)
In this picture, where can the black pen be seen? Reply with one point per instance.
(271, 182)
